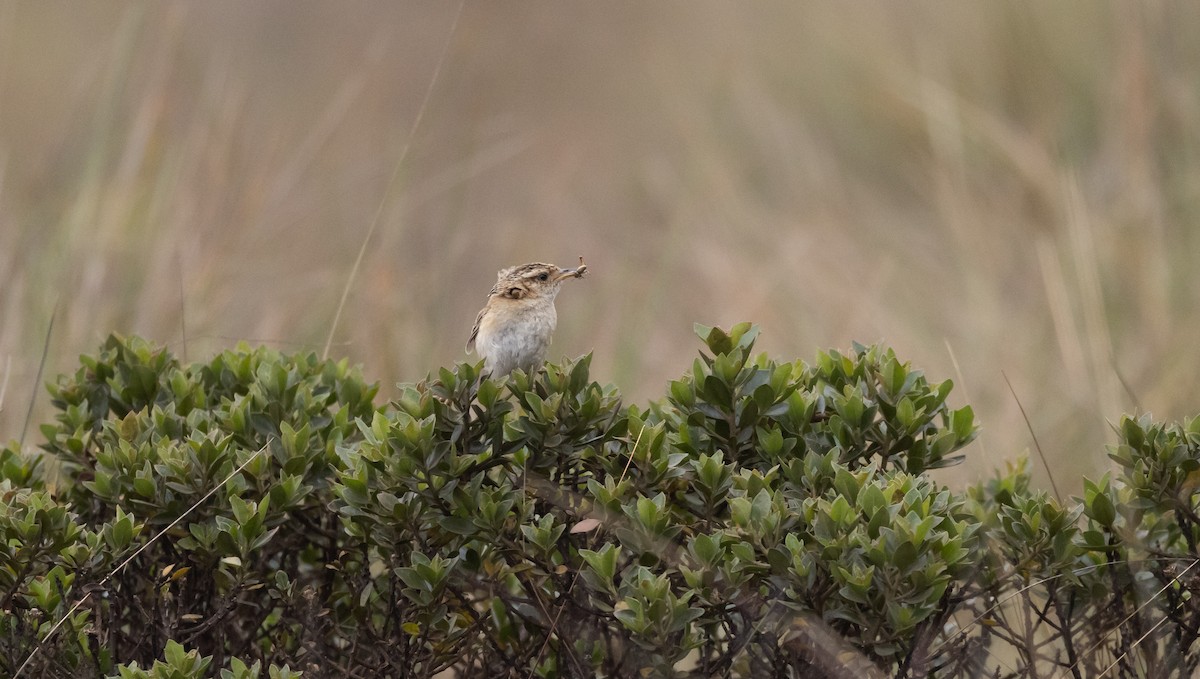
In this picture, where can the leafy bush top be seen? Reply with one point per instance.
(261, 510)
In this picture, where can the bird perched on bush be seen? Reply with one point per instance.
(513, 329)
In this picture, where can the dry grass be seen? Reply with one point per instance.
(1016, 181)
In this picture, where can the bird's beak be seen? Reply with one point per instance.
(571, 273)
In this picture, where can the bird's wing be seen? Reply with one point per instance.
(496, 290)
(475, 330)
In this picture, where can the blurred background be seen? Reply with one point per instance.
(994, 189)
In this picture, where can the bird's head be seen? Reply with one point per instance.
(534, 281)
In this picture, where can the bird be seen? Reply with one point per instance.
(514, 327)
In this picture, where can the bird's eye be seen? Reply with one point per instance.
(544, 277)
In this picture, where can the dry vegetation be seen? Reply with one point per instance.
(987, 187)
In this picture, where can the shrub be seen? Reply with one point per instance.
(138, 434)
(259, 515)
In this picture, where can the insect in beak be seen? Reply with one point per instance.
(578, 272)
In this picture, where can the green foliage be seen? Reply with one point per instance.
(1112, 575)
(538, 526)
(180, 664)
(45, 555)
(139, 435)
(864, 406)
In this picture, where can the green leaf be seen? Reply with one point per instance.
(706, 549)
(603, 562)
(846, 484)
(1102, 510)
(458, 525)
(743, 335)
(870, 499)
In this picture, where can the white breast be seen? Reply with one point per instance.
(516, 338)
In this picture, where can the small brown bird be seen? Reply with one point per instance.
(513, 329)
